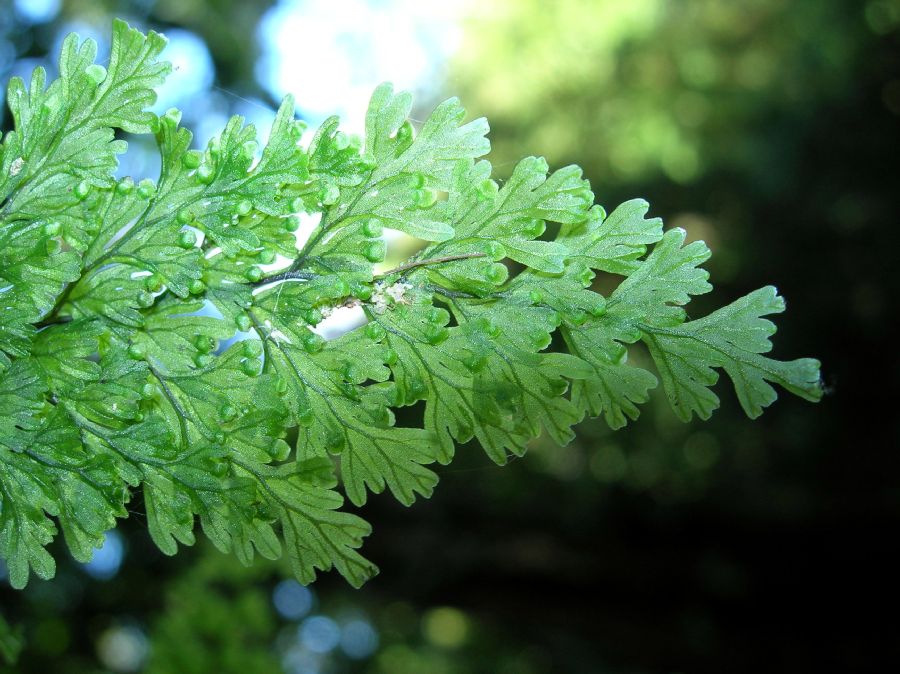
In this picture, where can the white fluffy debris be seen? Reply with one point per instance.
(385, 295)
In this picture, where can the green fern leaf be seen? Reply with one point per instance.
(145, 346)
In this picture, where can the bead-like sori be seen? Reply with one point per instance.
(305, 416)
(153, 283)
(425, 198)
(558, 386)
(474, 363)
(496, 251)
(146, 188)
(350, 391)
(585, 276)
(541, 340)
(361, 290)
(136, 351)
(340, 288)
(436, 334)
(533, 228)
(196, 287)
(144, 299)
(184, 216)
(296, 129)
(497, 273)
(281, 385)
(125, 185)
(330, 194)
(96, 73)
(250, 366)
(266, 256)
(292, 222)
(253, 274)
(367, 160)
(203, 359)
(243, 208)
(312, 342)
(416, 181)
(487, 189)
(405, 133)
(280, 450)
(373, 228)
(187, 239)
(243, 322)
(375, 332)
(205, 343)
(351, 373)
(172, 117)
(390, 356)
(375, 251)
(149, 390)
(252, 348)
(312, 316)
(536, 296)
(190, 159)
(379, 415)
(334, 440)
(599, 308)
(52, 228)
(228, 412)
(205, 174)
(415, 388)
(577, 316)
(438, 316)
(341, 141)
(82, 189)
(249, 149)
(219, 467)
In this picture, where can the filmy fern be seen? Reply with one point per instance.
(115, 296)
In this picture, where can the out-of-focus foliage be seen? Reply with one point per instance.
(10, 641)
(652, 87)
(217, 618)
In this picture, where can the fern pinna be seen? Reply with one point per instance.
(116, 294)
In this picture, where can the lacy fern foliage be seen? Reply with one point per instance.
(120, 299)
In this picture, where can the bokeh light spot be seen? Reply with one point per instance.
(192, 70)
(319, 634)
(358, 639)
(122, 649)
(107, 558)
(37, 11)
(446, 627)
(292, 600)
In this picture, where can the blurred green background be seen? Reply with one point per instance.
(769, 128)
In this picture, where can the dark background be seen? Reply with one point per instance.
(769, 128)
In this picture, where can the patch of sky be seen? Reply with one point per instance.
(357, 45)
